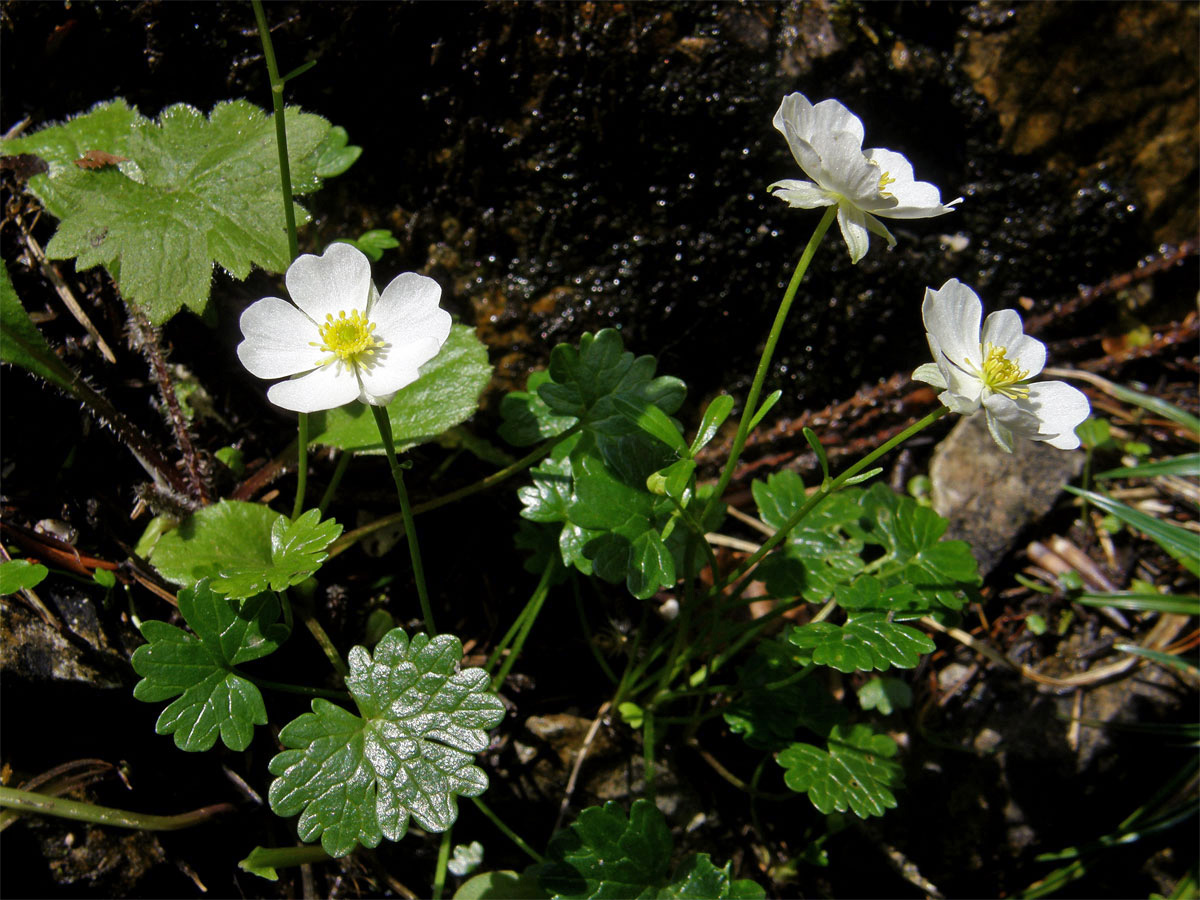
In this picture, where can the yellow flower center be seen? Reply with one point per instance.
(348, 338)
(884, 180)
(1001, 375)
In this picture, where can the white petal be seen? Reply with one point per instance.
(1000, 432)
(1060, 408)
(961, 392)
(407, 311)
(913, 199)
(1004, 329)
(852, 221)
(851, 174)
(877, 227)
(1017, 416)
(328, 387)
(830, 116)
(397, 368)
(277, 339)
(952, 315)
(930, 374)
(801, 194)
(337, 280)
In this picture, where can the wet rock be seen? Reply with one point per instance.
(32, 650)
(990, 496)
(1119, 97)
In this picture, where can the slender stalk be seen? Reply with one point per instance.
(535, 607)
(829, 487)
(297, 688)
(439, 875)
(648, 752)
(508, 832)
(283, 857)
(339, 471)
(301, 464)
(31, 802)
(414, 549)
(347, 540)
(764, 362)
(285, 170)
(305, 611)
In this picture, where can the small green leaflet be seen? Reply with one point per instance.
(355, 779)
(193, 191)
(867, 641)
(885, 695)
(605, 854)
(213, 698)
(446, 394)
(527, 418)
(20, 574)
(856, 772)
(244, 548)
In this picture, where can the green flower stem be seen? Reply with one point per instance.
(283, 857)
(414, 549)
(508, 832)
(648, 751)
(305, 611)
(285, 171)
(301, 464)
(439, 875)
(339, 470)
(31, 802)
(526, 619)
(350, 538)
(306, 691)
(588, 635)
(764, 362)
(829, 487)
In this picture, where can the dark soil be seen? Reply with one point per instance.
(560, 168)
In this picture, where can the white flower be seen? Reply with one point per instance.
(342, 340)
(993, 371)
(826, 141)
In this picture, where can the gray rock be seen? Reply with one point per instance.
(991, 496)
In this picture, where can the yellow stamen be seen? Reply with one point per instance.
(348, 338)
(1001, 375)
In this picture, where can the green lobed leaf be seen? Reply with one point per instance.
(769, 703)
(22, 344)
(20, 574)
(372, 243)
(355, 779)
(194, 192)
(198, 668)
(867, 641)
(244, 548)
(602, 368)
(527, 418)
(605, 854)
(446, 394)
(856, 772)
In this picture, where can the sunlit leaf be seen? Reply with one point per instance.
(856, 772)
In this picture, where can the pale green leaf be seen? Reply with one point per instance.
(856, 772)
(446, 394)
(194, 192)
(355, 779)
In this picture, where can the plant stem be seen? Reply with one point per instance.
(297, 688)
(301, 464)
(439, 875)
(283, 857)
(764, 362)
(339, 470)
(414, 549)
(348, 539)
(827, 488)
(526, 619)
(31, 802)
(285, 171)
(507, 832)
